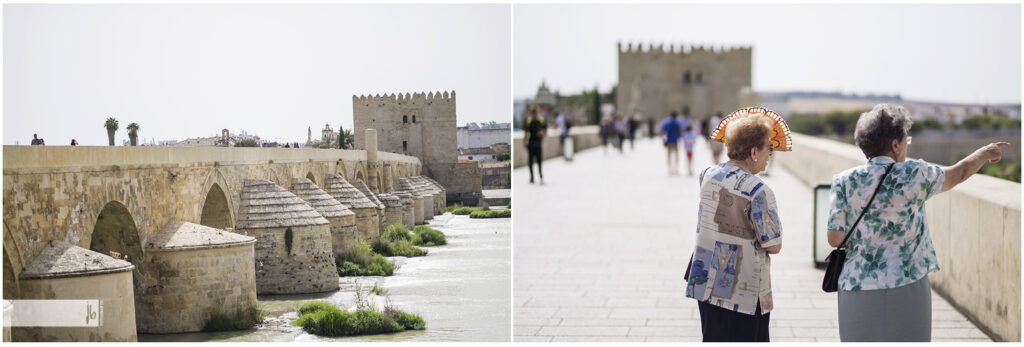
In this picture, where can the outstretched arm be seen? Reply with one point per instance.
(962, 170)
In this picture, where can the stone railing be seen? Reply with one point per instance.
(975, 228)
(584, 137)
(24, 157)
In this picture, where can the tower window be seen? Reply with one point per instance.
(405, 119)
(414, 118)
(405, 146)
(686, 77)
(699, 79)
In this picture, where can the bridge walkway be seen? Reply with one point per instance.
(601, 247)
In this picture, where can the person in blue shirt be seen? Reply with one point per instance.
(671, 130)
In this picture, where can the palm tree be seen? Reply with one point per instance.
(349, 139)
(133, 136)
(111, 125)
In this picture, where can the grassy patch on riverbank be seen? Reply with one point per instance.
(398, 241)
(491, 214)
(242, 318)
(360, 260)
(323, 319)
(427, 236)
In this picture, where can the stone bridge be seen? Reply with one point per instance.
(117, 198)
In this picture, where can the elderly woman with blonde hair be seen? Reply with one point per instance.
(738, 227)
(884, 293)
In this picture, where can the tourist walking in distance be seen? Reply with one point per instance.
(883, 288)
(35, 139)
(621, 128)
(535, 132)
(716, 147)
(607, 130)
(671, 131)
(632, 124)
(74, 143)
(650, 128)
(689, 138)
(563, 128)
(738, 227)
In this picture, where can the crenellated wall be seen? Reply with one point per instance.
(975, 228)
(706, 80)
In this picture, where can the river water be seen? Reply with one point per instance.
(462, 290)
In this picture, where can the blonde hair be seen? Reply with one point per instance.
(745, 133)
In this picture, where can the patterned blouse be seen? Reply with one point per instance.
(738, 218)
(891, 246)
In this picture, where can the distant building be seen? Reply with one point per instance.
(475, 136)
(224, 140)
(482, 154)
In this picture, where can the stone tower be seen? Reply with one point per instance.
(419, 124)
(703, 81)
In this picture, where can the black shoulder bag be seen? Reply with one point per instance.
(838, 255)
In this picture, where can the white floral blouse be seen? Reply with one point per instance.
(738, 218)
(891, 246)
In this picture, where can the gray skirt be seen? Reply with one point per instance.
(901, 314)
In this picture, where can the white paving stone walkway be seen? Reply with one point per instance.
(600, 250)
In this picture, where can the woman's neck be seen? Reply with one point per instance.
(740, 164)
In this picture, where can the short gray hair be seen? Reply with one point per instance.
(876, 129)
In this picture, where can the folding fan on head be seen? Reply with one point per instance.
(780, 136)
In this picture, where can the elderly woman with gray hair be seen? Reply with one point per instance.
(883, 288)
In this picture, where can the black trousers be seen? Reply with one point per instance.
(535, 154)
(720, 325)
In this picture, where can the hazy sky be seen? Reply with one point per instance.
(272, 70)
(949, 53)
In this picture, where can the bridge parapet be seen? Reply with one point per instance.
(975, 229)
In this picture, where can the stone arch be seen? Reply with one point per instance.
(216, 179)
(11, 286)
(311, 178)
(116, 234)
(340, 169)
(216, 212)
(13, 264)
(378, 181)
(361, 173)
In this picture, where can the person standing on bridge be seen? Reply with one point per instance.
(535, 132)
(671, 130)
(716, 147)
(737, 228)
(884, 293)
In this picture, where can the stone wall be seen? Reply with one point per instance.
(308, 268)
(367, 224)
(496, 176)
(58, 192)
(114, 289)
(344, 233)
(653, 79)
(184, 286)
(975, 228)
(584, 137)
(461, 181)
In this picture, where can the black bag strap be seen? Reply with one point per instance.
(866, 206)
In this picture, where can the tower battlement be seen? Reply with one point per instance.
(681, 49)
(383, 100)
